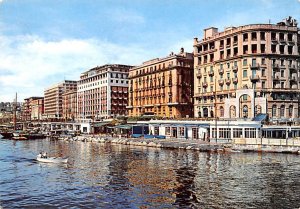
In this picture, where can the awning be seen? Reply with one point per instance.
(124, 127)
(101, 124)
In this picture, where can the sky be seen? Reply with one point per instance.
(43, 42)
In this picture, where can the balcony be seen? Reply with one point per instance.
(275, 78)
(235, 80)
(254, 78)
(292, 67)
(254, 67)
(274, 40)
(235, 69)
(204, 85)
(199, 75)
(275, 67)
(221, 82)
(211, 73)
(227, 81)
(282, 40)
(291, 42)
(221, 71)
(293, 79)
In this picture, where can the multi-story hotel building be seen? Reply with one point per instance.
(162, 86)
(53, 100)
(70, 104)
(33, 108)
(103, 92)
(247, 70)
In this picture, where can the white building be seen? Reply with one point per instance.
(103, 92)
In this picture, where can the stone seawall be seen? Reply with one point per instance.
(159, 143)
(202, 146)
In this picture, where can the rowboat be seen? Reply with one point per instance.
(51, 159)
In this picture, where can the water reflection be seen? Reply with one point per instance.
(117, 176)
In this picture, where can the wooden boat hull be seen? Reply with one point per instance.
(6, 135)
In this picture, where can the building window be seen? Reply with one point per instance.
(291, 111)
(250, 133)
(263, 84)
(245, 74)
(156, 130)
(224, 133)
(181, 131)
(262, 36)
(221, 111)
(263, 72)
(237, 132)
(168, 131)
(282, 107)
(244, 62)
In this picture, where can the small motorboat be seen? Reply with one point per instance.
(45, 159)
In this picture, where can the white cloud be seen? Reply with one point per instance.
(29, 64)
(125, 16)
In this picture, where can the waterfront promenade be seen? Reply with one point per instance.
(257, 145)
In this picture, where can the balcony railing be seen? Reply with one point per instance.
(221, 82)
(235, 80)
(227, 81)
(221, 71)
(275, 67)
(211, 73)
(199, 75)
(293, 79)
(235, 69)
(254, 78)
(254, 67)
(275, 78)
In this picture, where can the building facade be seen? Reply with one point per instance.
(247, 70)
(33, 108)
(103, 92)
(162, 87)
(37, 108)
(70, 105)
(54, 101)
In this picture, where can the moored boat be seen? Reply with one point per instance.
(40, 158)
(6, 135)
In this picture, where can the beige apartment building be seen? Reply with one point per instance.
(53, 99)
(70, 104)
(247, 70)
(103, 92)
(33, 108)
(162, 87)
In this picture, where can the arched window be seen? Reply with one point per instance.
(291, 111)
(282, 107)
(245, 111)
(221, 111)
(274, 111)
(232, 111)
(211, 113)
